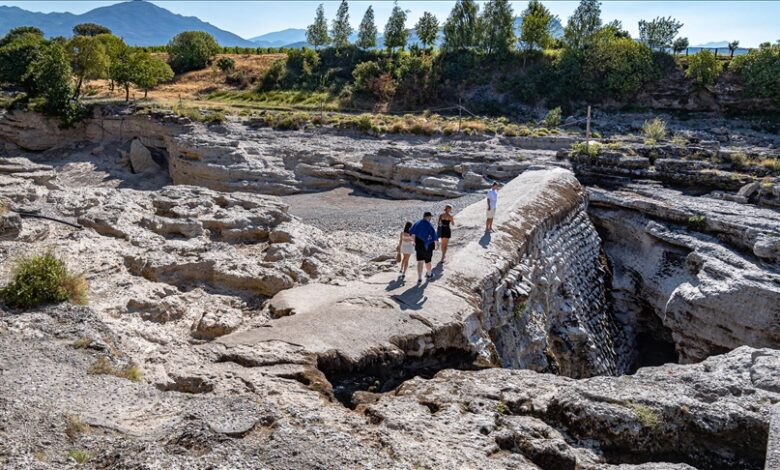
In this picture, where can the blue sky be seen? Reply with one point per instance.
(751, 22)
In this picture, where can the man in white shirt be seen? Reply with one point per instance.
(492, 200)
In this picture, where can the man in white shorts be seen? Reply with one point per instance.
(492, 200)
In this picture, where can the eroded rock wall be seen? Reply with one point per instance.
(702, 286)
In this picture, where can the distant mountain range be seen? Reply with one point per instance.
(296, 37)
(140, 23)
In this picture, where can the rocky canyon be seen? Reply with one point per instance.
(624, 314)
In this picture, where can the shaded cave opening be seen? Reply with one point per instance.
(385, 373)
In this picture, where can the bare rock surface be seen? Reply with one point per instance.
(273, 333)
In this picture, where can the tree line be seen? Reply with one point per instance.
(54, 71)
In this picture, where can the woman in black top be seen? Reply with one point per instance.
(446, 221)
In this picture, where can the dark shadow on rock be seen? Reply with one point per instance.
(484, 242)
(411, 299)
(395, 284)
(437, 271)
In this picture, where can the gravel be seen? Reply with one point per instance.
(347, 209)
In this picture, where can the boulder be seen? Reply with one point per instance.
(141, 160)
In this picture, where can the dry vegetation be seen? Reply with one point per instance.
(191, 85)
(102, 366)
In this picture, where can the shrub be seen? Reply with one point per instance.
(760, 71)
(648, 417)
(102, 366)
(703, 68)
(553, 118)
(80, 456)
(273, 77)
(41, 280)
(591, 149)
(74, 426)
(191, 50)
(226, 64)
(654, 130)
(697, 222)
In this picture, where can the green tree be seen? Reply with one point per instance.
(123, 70)
(760, 71)
(536, 29)
(659, 33)
(498, 29)
(583, 24)
(396, 34)
(19, 49)
(191, 50)
(733, 46)
(341, 27)
(51, 74)
(148, 71)
(90, 29)
(367, 31)
(461, 27)
(89, 60)
(113, 45)
(18, 32)
(618, 67)
(679, 45)
(703, 68)
(317, 32)
(427, 29)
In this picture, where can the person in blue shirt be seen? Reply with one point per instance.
(425, 239)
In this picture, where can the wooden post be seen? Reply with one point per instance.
(460, 113)
(587, 126)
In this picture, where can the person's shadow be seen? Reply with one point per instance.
(437, 271)
(412, 299)
(394, 284)
(484, 242)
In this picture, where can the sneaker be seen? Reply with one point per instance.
(419, 281)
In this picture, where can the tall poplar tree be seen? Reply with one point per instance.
(460, 29)
(396, 34)
(317, 32)
(536, 30)
(583, 24)
(367, 30)
(341, 28)
(497, 29)
(427, 29)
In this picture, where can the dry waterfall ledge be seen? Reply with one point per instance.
(530, 295)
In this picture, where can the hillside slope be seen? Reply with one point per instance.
(140, 23)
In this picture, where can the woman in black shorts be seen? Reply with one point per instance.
(446, 221)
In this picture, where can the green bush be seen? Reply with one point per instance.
(42, 280)
(226, 64)
(191, 50)
(760, 71)
(591, 149)
(654, 130)
(553, 118)
(274, 77)
(364, 73)
(697, 222)
(703, 68)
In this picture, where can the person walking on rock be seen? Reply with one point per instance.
(405, 248)
(425, 239)
(446, 220)
(492, 201)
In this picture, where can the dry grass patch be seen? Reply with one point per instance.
(102, 366)
(74, 427)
